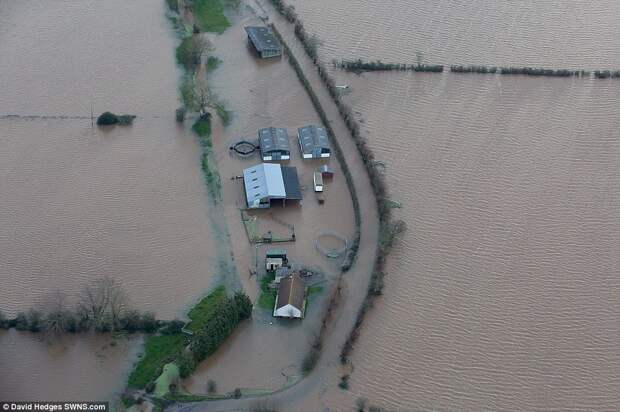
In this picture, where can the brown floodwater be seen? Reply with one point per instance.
(503, 294)
(76, 202)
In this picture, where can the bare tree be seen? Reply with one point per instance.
(103, 302)
(57, 316)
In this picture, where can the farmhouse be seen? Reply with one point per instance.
(270, 183)
(313, 142)
(274, 144)
(263, 41)
(291, 300)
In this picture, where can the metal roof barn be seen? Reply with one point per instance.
(270, 181)
(264, 42)
(313, 142)
(274, 143)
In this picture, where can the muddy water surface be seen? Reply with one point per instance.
(503, 295)
(76, 202)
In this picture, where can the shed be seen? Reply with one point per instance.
(275, 259)
(263, 41)
(313, 142)
(274, 144)
(269, 182)
(326, 171)
(291, 299)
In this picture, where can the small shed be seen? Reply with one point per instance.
(275, 259)
(326, 171)
(313, 142)
(291, 299)
(274, 144)
(263, 41)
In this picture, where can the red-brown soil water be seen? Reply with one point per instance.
(76, 202)
(503, 295)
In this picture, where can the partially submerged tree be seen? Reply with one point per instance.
(103, 302)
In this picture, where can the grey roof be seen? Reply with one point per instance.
(262, 38)
(270, 181)
(273, 139)
(291, 183)
(313, 139)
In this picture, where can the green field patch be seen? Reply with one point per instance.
(158, 350)
(209, 15)
(207, 307)
(267, 298)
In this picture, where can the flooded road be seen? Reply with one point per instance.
(503, 295)
(78, 203)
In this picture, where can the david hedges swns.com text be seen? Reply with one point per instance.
(54, 406)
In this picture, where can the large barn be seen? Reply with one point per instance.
(313, 142)
(274, 144)
(263, 41)
(291, 299)
(270, 183)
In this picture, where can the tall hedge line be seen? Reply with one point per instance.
(387, 229)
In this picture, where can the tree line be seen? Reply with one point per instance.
(101, 306)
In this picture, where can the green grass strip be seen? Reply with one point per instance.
(158, 350)
(200, 313)
(209, 15)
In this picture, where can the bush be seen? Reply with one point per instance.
(148, 322)
(172, 327)
(173, 5)
(4, 322)
(109, 118)
(186, 364)
(344, 382)
(180, 114)
(211, 387)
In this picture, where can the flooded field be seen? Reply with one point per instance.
(503, 295)
(78, 203)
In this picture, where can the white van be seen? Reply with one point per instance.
(318, 182)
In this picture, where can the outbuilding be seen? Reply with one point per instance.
(263, 41)
(313, 142)
(269, 183)
(274, 144)
(291, 299)
(275, 259)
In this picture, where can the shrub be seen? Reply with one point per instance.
(180, 114)
(109, 118)
(360, 404)
(148, 322)
(186, 364)
(344, 382)
(4, 322)
(173, 5)
(172, 327)
(211, 387)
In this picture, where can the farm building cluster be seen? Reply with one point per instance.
(268, 184)
(275, 181)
